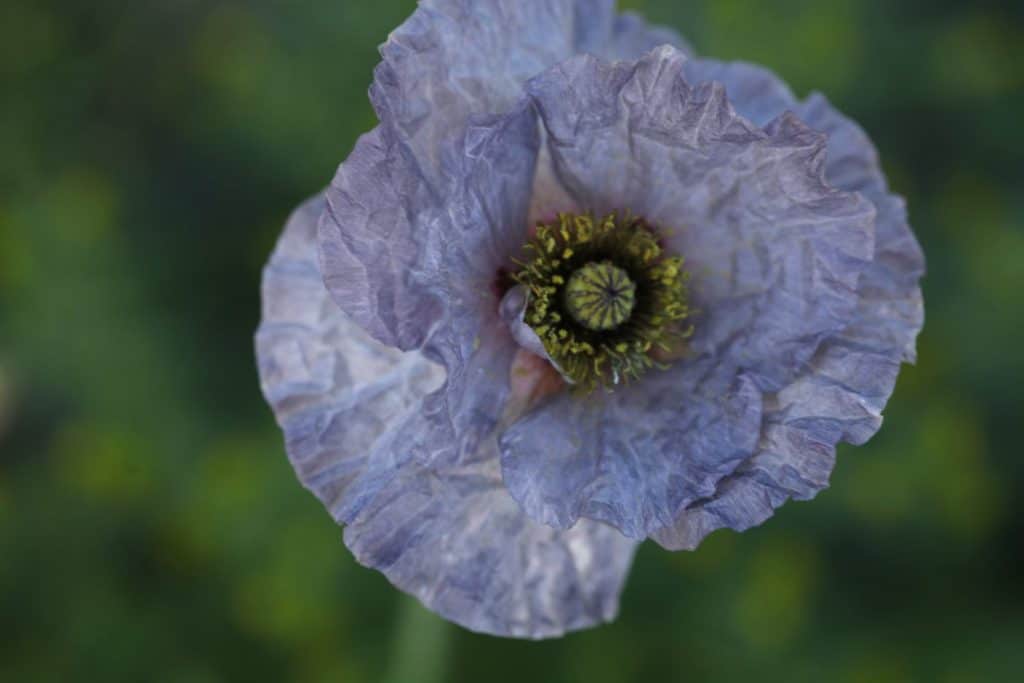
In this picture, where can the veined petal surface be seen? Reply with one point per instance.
(364, 434)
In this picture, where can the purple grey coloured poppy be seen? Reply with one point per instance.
(579, 288)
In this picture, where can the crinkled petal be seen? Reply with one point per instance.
(379, 210)
(490, 170)
(455, 539)
(841, 394)
(631, 39)
(513, 312)
(364, 434)
(852, 165)
(354, 411)
(401, 258)
(774, 252)
(891, 310)
(450, 63)
(755, 92)
(458, 246)
(775, 255)
(340, 397)
(455, 58)
(634, 458)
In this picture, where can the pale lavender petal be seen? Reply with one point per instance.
(843, 391)
(806, 310)
(490, 170)
(774, 252)
(455, 58)
(451, 62)
(775, 255)
(431, 280)
(852, 165)
(425, 507)
(378, 214)
(454, 538)
(402, 258)
(513, 311)
(340, 397)
(891, 310)
(755, 92)
(636, 457)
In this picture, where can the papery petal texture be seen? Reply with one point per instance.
(340, 397)
(841, 394)
(776, 255)
(357, 423)
(451, 61)
(422, 409)
(634, 458)
(443, 252)
(379, 209)
(454, 538)
(455, 58)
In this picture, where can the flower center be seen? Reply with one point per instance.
(603, 297)
(600, 296)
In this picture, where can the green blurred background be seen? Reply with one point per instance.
(150, 526)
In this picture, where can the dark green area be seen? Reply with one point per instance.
(150, 526)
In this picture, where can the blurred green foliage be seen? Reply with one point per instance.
(150, 526)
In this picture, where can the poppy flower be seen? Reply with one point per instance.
(579, 288)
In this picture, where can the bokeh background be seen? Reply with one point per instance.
(150, 526)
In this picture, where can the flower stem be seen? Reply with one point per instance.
(420, 649)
